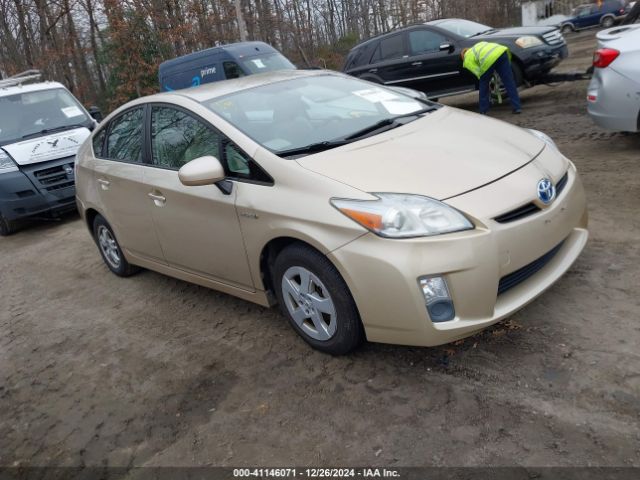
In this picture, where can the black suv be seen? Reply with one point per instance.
(427, 57)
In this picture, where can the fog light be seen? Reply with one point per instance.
(437, 298)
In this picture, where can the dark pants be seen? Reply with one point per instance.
(503, 67)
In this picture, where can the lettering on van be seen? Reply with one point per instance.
(207, 71)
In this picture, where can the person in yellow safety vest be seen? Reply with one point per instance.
(485, 58)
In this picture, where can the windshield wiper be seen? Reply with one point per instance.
(313, 148)
(338, 142)
(483, 32)
(55, 129)
(387, 122)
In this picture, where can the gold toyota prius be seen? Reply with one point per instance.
(362, 211)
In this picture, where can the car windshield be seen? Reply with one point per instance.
(303, 112)
(267, 63)
(27, 114)
(464, 28)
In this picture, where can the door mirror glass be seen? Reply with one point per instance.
(205, 170)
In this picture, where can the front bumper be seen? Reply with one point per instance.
(42, 189)
(540, 60)
(383, 274)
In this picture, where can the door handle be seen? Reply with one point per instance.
(373, 70)
(416, 64)
(158, 199)
(104, 183)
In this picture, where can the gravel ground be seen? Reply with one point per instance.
(99, 370)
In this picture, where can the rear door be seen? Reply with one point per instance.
(118, 173)
(390, 60)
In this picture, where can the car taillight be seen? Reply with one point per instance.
(603, 57)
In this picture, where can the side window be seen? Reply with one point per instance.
(98, 142)
(422, 41)
(232, 70)
(125, 136)
(178, 138)
(392, 47)
(237, 163)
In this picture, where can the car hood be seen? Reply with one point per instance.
(47, 147)
(516, 32)
(444, 154)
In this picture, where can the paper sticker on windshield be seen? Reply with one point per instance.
(375, 95)
(258, 63)
(71, 112)
(400, 108)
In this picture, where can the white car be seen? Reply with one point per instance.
(614, 92)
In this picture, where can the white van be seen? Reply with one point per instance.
(41, 127)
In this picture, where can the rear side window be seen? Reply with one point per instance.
(392, 47)
(124, 141)
(177, 138)
(423, 41)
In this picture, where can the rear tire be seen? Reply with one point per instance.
(7, 227)
(110, 249)
(316, 300)
(607, 22)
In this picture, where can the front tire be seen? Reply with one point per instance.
(316, 300)
(7, 227)
(110, 249)
(568, 28)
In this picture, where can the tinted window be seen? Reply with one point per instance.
(98, 141)
(422, 41)
(125, 136)
(177, 138)
(232, 70)
(392, 47)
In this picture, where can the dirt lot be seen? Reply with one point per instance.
(99, 370)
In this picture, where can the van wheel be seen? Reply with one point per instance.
(110, 249)
(316, 300)
(607, 22)
(7, 227)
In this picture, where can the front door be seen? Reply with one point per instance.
(198, 227)
(437, 63)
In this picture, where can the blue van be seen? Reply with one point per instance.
(220, 63)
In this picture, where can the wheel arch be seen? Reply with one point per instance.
(90, 216)
(605, 16)
(268, 255)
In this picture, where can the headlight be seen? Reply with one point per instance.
(528, 42)
(6, 163)
(397, 215)
(545, 138)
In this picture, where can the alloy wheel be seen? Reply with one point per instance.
(309, 303)
(109, 247)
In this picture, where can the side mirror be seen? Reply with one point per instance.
(95, 113)
(201, 171)
(446, 47)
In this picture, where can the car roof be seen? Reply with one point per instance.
(213, 90)
(29, 87)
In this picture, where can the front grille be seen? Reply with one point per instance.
(515, 278)
(518, 213)
(55, 178)
(554, 38)
(561, 184)
(530, 208)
